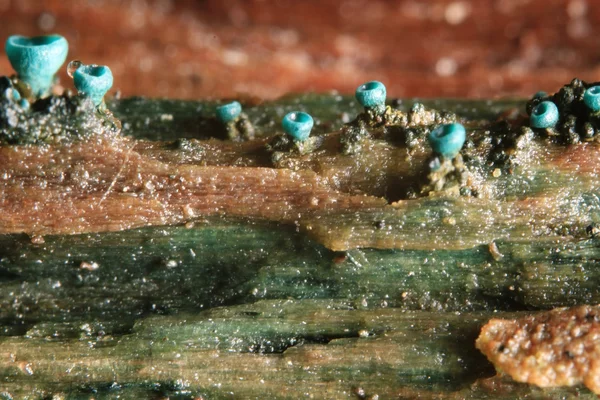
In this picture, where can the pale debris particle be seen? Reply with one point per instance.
(234, 57)
(577, 9)
(493, 248)
(446, 66)
(188, 211)
(90, 266)
(449, 221)
(456, 12)
(555, 348)
(46, 21)
(37, 239)
(25, 367)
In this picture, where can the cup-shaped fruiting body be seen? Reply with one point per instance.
(298, 125)
(93, 81)
(24, 104)
(229, 112)
(447, 140)
(591, 98)
(12, 94)
(36, 60)
(371, 94)
(544, 115)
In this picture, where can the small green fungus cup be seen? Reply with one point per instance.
(93, 81)
(37, 59)
(298, 125)
(447, 140)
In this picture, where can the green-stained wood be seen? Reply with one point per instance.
(134, 273)
(281, 349)
(167, 119)
(140, 306)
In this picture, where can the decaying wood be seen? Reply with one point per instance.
(114, 184)
(201, 268)
(98, 186)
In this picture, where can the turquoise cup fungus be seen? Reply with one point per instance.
(544, 115)
(93, 81)
(12, 94)
(36, 60)
(371, 94)
(24, 104)
(298, 125)
(229, 112)
(447, 140)
(591, 98)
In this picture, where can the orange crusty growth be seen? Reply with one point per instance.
(555, 348)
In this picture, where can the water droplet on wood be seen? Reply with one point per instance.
(72, 67)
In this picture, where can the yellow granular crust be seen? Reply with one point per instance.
(555, 348)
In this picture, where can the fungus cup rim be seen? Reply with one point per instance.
(93, 71)
(371, 94)
(594, 90)
(26, 42)
(541, 108)
(300, 117)
(370, 86)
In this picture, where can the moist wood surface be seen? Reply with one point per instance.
(142, 267)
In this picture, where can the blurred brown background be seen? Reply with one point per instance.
(215, 48)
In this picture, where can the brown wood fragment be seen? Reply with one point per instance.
(111, 184)
(555, 348)
(106, 185)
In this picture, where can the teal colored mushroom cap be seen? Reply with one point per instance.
(544, 115)
(591, 98)
(447, 140)
(24, 104)
(371, 94)
(12, 94)
(36, 60)
(298, 125)
(93, 81)
(229, 112)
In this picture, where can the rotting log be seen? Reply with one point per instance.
(171, 262)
